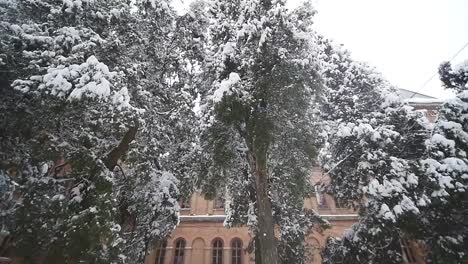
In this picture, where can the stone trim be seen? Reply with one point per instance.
(221, 218)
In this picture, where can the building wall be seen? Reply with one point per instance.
(202, 223)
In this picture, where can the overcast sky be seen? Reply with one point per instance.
(405, 39)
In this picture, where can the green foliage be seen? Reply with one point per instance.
(261, 102)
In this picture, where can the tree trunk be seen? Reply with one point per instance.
(258, 256)
(267, 247)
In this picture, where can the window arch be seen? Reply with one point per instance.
(160, 252)
(236, 250)
(217, 256)
(179, 251)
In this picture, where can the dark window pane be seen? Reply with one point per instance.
(161, 253)
(236, 247)
(217, 251)
(179, 252)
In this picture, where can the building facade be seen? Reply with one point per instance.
(201, 238)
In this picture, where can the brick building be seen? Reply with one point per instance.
(205, 240)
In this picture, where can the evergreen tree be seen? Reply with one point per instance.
(445, 226)
(159, 165)
(374, 145)
(407, 194)
(56, 123)
(393, 191)
(260, 121)
(97, 130)
(355, 97)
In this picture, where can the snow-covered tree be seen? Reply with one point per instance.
(355, 97)
(445, 227)
(96, 131)
(374, 145)
(53, 133)
(388, 165)
(407, 195)
(260, 131)
(159, 165)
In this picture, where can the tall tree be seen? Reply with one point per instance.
(259, 110)
(97, 120)
(445, 227)
(415, 184)
(53, 133)
(371, 158)
(393, 190)
(355, 96)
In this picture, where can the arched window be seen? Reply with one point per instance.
(179, 251)
(217, 251)
(236, 248)
(161, 252)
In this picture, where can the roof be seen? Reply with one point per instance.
(406, 94)
(418, 98)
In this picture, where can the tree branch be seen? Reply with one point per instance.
(114, 156)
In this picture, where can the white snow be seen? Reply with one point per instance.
(386, 213)
(412, 179)
(408, 205)
(91, 79)
(266, 32)
(438, 139)
(44, 168)
(344, 131)
(229, 49)
(225, 87)
(121, 98)
(76, 195)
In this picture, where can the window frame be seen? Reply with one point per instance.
(160, 253)
(179, 251)
(236, 251)
(217, 249)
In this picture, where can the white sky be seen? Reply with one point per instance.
(405, 39)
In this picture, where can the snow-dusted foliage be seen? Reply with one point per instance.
(260, 108)
(353, 113)
(446, 167)
(371, 157)
(413, 180)
(387, 172)
(96, 127)
(454, 77)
